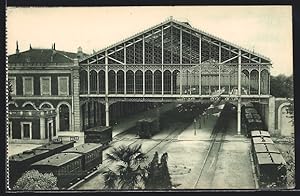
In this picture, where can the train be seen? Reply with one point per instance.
(252, 119)
(100, 134)
(270, 166)
(147, 127)
(21, 162)
(72, 164)
(183, 113)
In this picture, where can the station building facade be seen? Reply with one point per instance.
(43, 81)
(171, 61)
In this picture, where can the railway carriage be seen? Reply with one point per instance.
(57, 146)
(251, 110)
(259, 133)
(146, 128)
(270, 169)
(261, 140)
(91, 155)
(21, 162)
(71, 164)
(67, 167)
(101, 135)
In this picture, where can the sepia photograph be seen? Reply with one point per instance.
(146, 98)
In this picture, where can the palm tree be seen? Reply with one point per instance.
(128, 173)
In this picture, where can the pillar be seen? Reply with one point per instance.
(116, 83)
(42, 128)
(239, 72)
(106, 112)
(98, 88)
(89, 80)
(106, 91)
(200, 79)
(124, 79)
(220, 59)
(133, 82)
(171, 83)
(259, 78)
(162, 60)
(75, 97)
(153, 87)
(180, 81)
(271, 115)
(239, 116)
(239, 93)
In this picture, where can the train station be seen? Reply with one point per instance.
(170, 85)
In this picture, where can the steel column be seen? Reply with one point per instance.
(239, 116)
(125, 69)
(106, 91)
(98, 88)
(162, 60)
(143, 65)
(239, 94)
(88, 79)
(180, 82)
(171, 83)
(259, 78)
(200, 80)
(220, 55)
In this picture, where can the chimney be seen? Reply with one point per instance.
(30, 47)
(79, 52)
(17, 48)
(54, 46)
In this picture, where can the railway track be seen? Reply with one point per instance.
(207, 170)
(206, 173)
(171, 136)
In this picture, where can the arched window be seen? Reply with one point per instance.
(93, 82)
(129, 82)
(148, 82)
(111, 82)
(254, 82)
(139, 82)
(245, 82)
(167, 82)
(120, 82)
(157, 82)
(264, 82)
(101, 82)
(176, 83)
(64, 118)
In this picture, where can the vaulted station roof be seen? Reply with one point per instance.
(161, 44)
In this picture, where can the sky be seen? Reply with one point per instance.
(265, 29)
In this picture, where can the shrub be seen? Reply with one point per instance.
(34, 180)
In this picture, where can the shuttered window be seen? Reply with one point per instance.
(12, 82)
(45, 85)
(27, 85)
(63, 86)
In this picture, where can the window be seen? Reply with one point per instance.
(27, 85)
(12, 81)
(26, 129)
(63, 86)
(45, 83)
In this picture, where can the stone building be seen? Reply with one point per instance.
(44, 79)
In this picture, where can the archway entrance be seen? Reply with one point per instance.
(64, 118)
